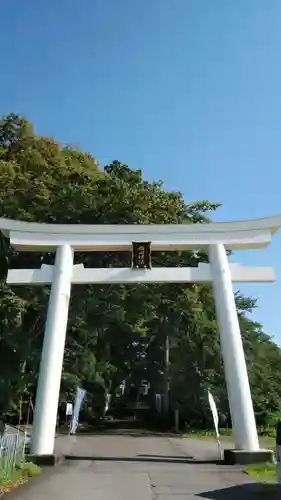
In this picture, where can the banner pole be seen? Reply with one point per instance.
(219, 447)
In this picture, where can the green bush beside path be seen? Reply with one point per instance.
(17, 476)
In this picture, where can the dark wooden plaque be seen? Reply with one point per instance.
(141, 255)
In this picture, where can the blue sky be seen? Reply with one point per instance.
(187, 90)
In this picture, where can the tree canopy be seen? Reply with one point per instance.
(119, 332)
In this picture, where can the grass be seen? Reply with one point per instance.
(266, 442)
(14, 477)
(262, 473)
(225, 434)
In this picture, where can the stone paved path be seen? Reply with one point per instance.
(122, 467)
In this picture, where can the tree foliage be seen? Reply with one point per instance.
(114, 332)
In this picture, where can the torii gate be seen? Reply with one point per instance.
(214, 237)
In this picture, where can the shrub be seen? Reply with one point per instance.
(29, 469)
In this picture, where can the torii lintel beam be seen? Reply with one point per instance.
(81, 275)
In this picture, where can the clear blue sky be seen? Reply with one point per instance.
(187, 90)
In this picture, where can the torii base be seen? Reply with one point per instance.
(45, 460)
(244, 457)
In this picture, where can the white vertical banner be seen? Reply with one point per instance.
(69, 409)
(107, 403)
(215, 414)
(158, 402)
(80, 394)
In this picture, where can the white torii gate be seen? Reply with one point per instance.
(215, 238)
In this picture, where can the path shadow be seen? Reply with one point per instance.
(186, 459)
(145, 458)
(244, 492)
(143, 433)
(126, 427)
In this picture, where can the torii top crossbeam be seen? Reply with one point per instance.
(247, 234)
